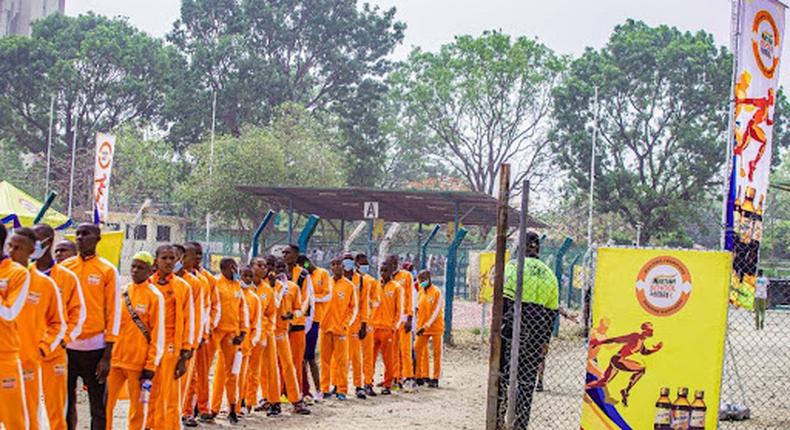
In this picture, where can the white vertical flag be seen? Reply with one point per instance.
(105, 150)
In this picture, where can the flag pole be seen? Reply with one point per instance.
(73, 155)
(211, 164)
(49, 141)
(592, 169)
(727, 202)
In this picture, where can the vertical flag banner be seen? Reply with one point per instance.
(758, 45)
(105, 150)
(656, 348)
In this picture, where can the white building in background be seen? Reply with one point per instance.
(16, 16)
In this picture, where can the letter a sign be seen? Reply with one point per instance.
(371, 210)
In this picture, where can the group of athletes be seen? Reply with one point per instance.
(256, 327)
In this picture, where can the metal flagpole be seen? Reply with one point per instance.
(592, 170)
(73, 154)
(211, 165)
(735, 32)
(49, 141)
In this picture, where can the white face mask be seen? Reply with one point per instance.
(40, 250)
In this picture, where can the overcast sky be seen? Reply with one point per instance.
(567, 26)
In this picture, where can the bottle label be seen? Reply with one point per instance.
(697, 419)
(680, 420)
(662, 416)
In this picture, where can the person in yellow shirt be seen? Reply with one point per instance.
(263, 359)
(41, 316)
(286, 299)
(387, 319)
(303, 312)
(164, 409)
(230, 331)
(319, 277)
(89, 354)
(404, 365)
(140, 346)
(14, 285)
(358, 333)
(196, 380)
(340, 315)
(430, 327)
(53, 366)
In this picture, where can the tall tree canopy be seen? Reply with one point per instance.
(485, 101)
(258, 54)
(662, 97)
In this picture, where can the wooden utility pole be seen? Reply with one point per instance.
(498, 303)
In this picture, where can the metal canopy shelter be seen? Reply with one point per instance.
(407, 206)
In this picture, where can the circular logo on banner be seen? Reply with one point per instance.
(105, 155)
(765, 43)
(28, 205)
(663, 286)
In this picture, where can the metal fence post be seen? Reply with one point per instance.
(449, 284)
(256, 237)
(424, 259)
(307, 233)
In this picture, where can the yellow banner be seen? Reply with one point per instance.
(487, 260)
(109, 247)
(657, 339)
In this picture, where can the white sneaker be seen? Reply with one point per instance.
(319, 396)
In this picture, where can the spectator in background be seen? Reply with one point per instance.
(760, 299)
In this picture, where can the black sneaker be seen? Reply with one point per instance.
(206, 418)
(386, 391)
(274, 410)
(369, 391)
(232, 417)
(189, 422)
(300, 408)
(433, 383)
(263, 406)
(420, 382)
(361, 393)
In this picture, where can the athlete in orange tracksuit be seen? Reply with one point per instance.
(197, 378)
(303, 312)
(250, 342)
(387, 319)
(139, 350)
(264, 373)
(89, 354)
(340, 315)
(53, 366)
(404, 365)
(286, 299)
(195, 291)
(358, 333)
(14, 285)
(430, 327)
(165, 406)
(321, 295)
(41, 318)
(205, 353)
(232, 327)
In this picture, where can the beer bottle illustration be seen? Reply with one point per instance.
(681, 410)
(698, 408)
(663, 411)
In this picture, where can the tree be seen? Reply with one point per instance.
(101, 72)
(662, 98)
(293, 151)
(258, 54)
(485, 101)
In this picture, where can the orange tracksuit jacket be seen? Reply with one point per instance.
(232, 317)
(14, 286)
(250, 341)
(387, 319)
(265, 374)
(340, 315)
(404, 366)
(195, 385)
(430, 317)
(303, 316)
(44, 327)
(54, 366)
(359, 351)
(133, 352)
(321, 291)
(164, 407)
(99, 280)
(286, 298)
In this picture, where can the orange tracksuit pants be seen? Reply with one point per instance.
(185, 385)
(252, 381)
(163, 408)
(360, 353)
(287, 367)
(368, 357)
(298, 340)
(54, 371)
(421, 348)
(13, 403)
(227, 351)
(334, 361)
(404, 365)
(270, 377)
(195, 382)
(383, 342)
(138, 411)
(32, 378)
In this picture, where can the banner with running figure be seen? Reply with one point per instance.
(656, 347)
(758, 37)
(105, 150)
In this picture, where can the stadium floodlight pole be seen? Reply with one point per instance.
(592, 169)
(211, 163)
(49, 141)
(75, 130)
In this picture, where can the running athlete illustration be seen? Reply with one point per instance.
(632, 343)
(753, 130)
